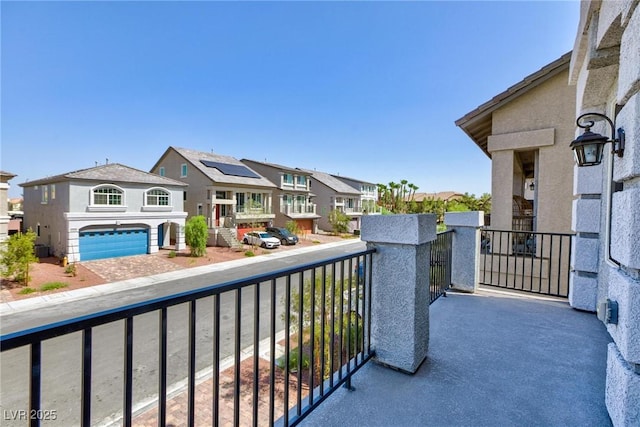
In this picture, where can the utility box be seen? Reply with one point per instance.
(42, 251)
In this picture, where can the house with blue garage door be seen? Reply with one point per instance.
(107, 211)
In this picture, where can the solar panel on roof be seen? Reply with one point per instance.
(229, 169)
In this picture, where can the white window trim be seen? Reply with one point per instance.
(107, 208)
(157, 208)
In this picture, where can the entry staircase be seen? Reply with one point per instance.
(227, 237)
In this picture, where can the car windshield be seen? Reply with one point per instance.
(285, 232)
(264, 235)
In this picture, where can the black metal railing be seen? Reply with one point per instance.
(275, 346)
(440, 262)
(526, 261)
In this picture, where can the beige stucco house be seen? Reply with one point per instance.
(232, 197)
(292, 199)
(335, 194)
(5, 177)
(524, 131)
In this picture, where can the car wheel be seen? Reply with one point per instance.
(263, 245)
(245, 241)
(283, 242)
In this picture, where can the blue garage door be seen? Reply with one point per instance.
(111, 244)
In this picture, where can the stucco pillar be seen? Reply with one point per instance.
(153, 240)
(400, 287)
(465, 253)
(180, 243)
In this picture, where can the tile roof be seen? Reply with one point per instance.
(273, 165)
(194, 157)
(333, 182)
(112, 172)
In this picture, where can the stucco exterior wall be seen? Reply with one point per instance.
(541, 119)
(67, 211)
(196, 192)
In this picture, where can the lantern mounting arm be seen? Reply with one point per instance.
(618, 143)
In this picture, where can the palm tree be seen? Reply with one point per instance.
(412, 191)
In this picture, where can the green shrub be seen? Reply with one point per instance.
(27, 291)
(339, 221)
(249, 254)
(17, 254)
(293, 360)
(71, 269)
(292, 227)
(196, 233)
(172, 254)
(52, 286)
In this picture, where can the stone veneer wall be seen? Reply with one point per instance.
(606, 259)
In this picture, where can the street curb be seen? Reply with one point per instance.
(8, 308)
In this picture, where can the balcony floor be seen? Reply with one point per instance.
(495, 359)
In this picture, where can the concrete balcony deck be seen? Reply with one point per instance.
(495, 359)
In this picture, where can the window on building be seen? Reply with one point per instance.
(301, 180)
(239, 199)
(256, 199)
(183, 170)
(108, 196)
(44, 192)
(161, 171)
(158, 197)
(221, 194)
(52, 193)
(287, 178)
(287, 199)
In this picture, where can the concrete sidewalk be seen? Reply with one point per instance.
(495, 359)
(8, 308)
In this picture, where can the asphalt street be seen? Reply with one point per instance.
(61, 364)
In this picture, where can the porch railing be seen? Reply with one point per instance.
(526, 261)
(294, 336)
(440, 260)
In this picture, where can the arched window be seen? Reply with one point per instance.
(107, 195)
(158, 197)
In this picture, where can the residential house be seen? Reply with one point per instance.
(368, 194)
(229, 194)
(445, 196)
(5, 177)
(334, 194)
(605, 73)
(524, 131)
(102, 212)
(292, 199)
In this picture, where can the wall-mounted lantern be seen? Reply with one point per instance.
(588, 147)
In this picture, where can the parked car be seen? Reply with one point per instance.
(284, 235)
(262, 239)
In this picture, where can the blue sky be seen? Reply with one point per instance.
(369, 90)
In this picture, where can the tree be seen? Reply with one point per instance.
(339, 221)
(17, 254)
(333, 309)
(484, 202)
(196, 234)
